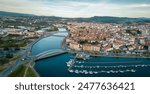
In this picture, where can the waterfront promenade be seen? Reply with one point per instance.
(99, 54)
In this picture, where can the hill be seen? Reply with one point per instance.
(98, 19)
(107, 19)
(3, 13)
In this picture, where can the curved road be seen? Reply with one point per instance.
(25, 56)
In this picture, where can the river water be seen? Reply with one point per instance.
(107, 66)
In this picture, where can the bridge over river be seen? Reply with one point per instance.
(49, 53)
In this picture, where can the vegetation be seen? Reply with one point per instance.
(129, 32)
(30, 73)
(116, 51)
(147, 54)
(54, 29)
(3, 61)
(8, 23)
(83, 41)
(139, 32)
(11, 42)
(19, 72)
(134, 33)
(96, 42)
(104, 39)
(9, 56)
(1, 68)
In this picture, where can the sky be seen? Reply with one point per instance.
(79, 8)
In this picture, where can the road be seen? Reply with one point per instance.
(25, 56)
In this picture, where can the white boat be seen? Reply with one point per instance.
(95, 72)
(133, 70)
(90, 72)
(108, 72)
(112, 71)
(71, 71)
(121, 71)
(77, 71)
(70, 62)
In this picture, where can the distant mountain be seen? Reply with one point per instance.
(98, 19)
(3, 13)
(107, 19)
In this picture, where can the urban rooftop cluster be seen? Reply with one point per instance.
(109, 37)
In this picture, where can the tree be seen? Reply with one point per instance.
(9, 56)
(3, 61)
(6, 48)
(139, 32)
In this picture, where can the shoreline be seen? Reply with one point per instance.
(114, 56)
(98, 55)
(136, 57)
(30, 50)
(65, 47)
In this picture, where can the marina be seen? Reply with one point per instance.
(82, 64)
(85, 68)
(60, 66)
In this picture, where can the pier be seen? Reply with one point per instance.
(70, 64)
(83, 67)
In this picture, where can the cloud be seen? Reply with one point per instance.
(79, 8)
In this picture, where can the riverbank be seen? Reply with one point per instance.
(56, 66)
(24, 56)
(43, 38)
(30, 50)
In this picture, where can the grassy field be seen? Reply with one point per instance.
(1, 68)
(30, 73)
(19, 72)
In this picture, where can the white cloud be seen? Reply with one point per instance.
(74, 9)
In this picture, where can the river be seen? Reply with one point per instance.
(107, 66)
